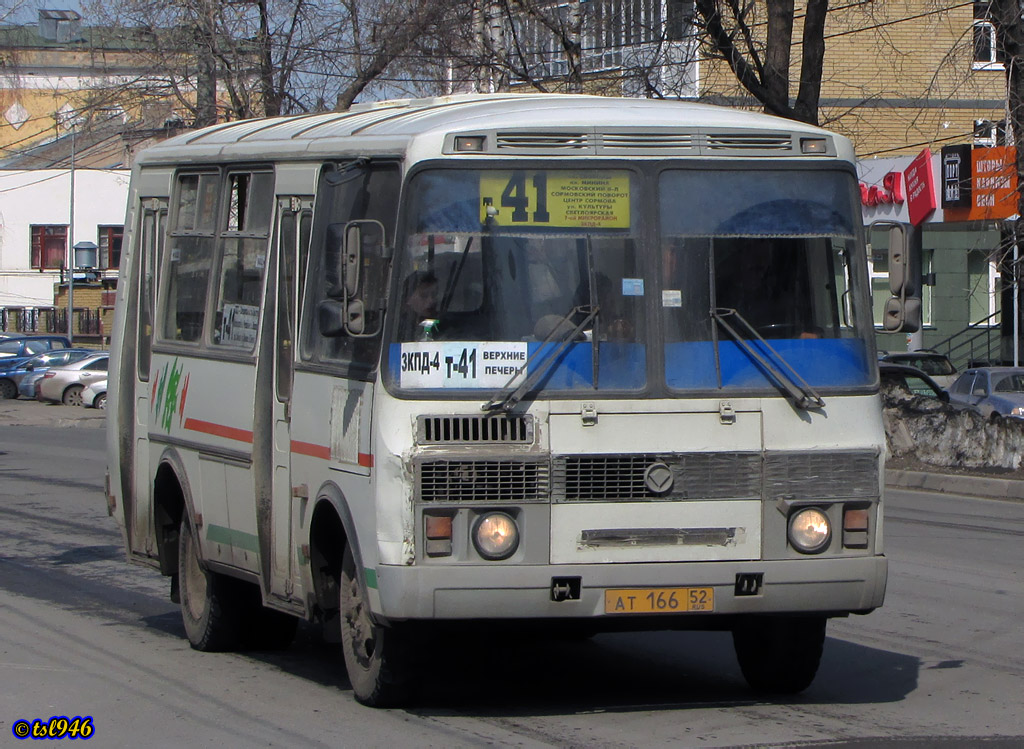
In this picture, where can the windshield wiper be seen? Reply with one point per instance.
(507, 398)
(803, 395)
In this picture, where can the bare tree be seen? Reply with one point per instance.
(761, 60)
(248, 58)
(602, 46)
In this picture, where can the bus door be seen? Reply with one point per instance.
(293, 243)
(138, 514)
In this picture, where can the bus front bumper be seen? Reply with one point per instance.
(457, 592)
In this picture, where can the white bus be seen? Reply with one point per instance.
(565, 361)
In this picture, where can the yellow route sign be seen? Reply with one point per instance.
(597, 200)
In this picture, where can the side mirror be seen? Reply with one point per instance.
(364, 274)
(30, 367)
(330, 318)
(944, 396)
(903, 309)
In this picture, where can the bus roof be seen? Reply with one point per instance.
(514, 124)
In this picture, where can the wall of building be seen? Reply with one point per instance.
(42, 197)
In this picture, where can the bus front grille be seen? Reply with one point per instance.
(482, 481)
(624, 478)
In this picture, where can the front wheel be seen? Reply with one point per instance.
(375, 656)
(210, 608)
(780, 655)
(101, 401)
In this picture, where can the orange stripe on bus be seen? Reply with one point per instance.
(313, 451)
(219, 430)
(324, 453)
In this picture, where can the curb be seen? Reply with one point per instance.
(945, 483)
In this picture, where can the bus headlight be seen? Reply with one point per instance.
(809, 530)
(496, 536)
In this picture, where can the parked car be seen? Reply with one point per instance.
(95, 394)
(910, 380)
(994, 391)
(13, 372)
(935, 365)
(10, 334)
(13, 351)
(65, 384)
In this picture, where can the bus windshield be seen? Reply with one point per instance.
(506, 272)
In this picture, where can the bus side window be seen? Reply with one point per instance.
(189, 257)
(368, 191)
(243, 258)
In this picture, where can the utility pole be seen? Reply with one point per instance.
(71, 245)
(1006, 17)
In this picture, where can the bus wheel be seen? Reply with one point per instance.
(374, 655)
(780, 655)
(209, 607)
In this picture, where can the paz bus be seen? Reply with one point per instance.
(556, 360)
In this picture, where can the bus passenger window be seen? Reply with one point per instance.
(243, 259)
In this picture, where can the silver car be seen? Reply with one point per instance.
(95, 394)
(65, 384)
(995, 391)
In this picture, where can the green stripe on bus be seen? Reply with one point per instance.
(371, 577)
(237, 539)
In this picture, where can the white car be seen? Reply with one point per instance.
(95, 395)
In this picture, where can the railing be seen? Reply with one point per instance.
(978, 342)
(92, 325)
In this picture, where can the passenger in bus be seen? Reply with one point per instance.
(420, 307)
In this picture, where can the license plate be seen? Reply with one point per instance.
(658, 600)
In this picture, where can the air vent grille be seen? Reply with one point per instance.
(474, 429)
(648, 141)
(482, 481)
(545, 141)
(749, 142)
(821, 475)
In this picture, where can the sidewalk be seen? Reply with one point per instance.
(20, 412)
(985, 487)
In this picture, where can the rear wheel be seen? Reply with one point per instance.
(375, 656)
(8, 389)
(73, 396)
(210, 607)
(780, 655)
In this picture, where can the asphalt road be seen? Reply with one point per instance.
(84, 634)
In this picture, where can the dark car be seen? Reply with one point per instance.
(13, 372)
(935, 365)
(994, 391)
(909, 381)
(13, 351)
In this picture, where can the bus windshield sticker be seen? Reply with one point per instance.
(556, 199)
(462, 364)
(632, 287)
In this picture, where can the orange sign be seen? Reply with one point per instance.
(993, 185)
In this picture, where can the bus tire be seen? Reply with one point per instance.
(780, 655)
(209, 602)
(375, 656)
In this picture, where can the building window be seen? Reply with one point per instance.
(49, 247)
(989, 133)
(987, 54)
(110, 238)
(982, 286)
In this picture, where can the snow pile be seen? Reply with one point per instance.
(936, 433)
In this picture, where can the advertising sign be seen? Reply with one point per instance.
(956, 176)
(993, 186)
(921, 202)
